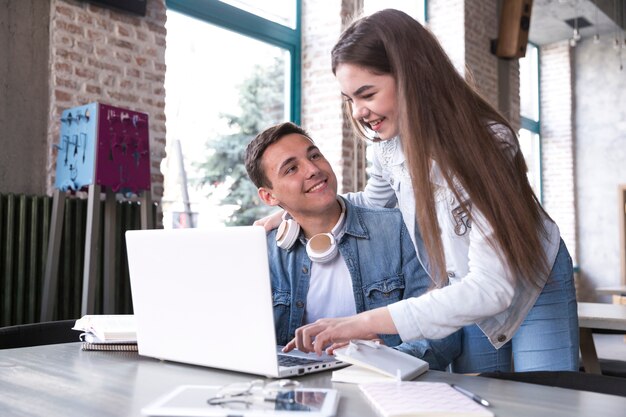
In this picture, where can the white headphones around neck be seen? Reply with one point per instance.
(321, 248)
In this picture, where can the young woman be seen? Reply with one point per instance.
(453, 165)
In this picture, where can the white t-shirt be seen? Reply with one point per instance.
(330, 291)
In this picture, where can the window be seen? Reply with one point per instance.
(529, 134)
(233, 68)
(414, 8)
(278, 11)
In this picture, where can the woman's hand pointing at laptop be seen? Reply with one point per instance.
(329, 333)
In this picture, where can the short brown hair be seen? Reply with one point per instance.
(256, 148)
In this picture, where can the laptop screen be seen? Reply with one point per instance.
(203, 296)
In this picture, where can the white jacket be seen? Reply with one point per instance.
(482, 290)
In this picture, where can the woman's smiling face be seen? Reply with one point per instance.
(372, 98)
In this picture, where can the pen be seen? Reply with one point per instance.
(480, 400)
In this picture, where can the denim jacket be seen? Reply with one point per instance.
(384, 268)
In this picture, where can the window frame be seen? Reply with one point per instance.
(248, 24)
(534, 126)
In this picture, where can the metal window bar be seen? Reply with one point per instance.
(24, 232)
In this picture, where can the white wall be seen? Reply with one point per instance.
(600, 152)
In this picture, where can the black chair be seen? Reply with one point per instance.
(582, 381)
(46, 333)
(613, 367)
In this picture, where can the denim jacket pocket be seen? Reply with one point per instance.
(384, 292)
(281, 301)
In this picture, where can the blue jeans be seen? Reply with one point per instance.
(547, 340)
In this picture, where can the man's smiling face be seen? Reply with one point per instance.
(302, 181)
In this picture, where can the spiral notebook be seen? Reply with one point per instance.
(110, 332)
(111, 347)
(408, 399)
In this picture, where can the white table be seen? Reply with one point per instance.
(597, 316)
(62, 380)
(614, 290)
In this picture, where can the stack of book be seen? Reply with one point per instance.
(116, 332)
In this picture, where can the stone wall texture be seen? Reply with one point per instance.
(113, 57)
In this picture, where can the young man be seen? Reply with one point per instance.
(330, 258)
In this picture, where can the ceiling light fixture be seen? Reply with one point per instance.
(617, 43)
(580, 22)
(596, 37)
(576, 35)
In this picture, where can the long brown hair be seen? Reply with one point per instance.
(443, 119)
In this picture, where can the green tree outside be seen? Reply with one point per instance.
(262, 104)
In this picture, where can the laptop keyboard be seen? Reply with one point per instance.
(285, 360)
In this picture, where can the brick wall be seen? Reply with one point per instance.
(470, 50)
(446, 17)
(117, 58)
(321, 99)
(353, 174)
(496, 79)
(557, 136)
(322, 24)
(481, 26)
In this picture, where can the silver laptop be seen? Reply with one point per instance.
(203, 297)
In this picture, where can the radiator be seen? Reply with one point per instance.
(24, 230)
